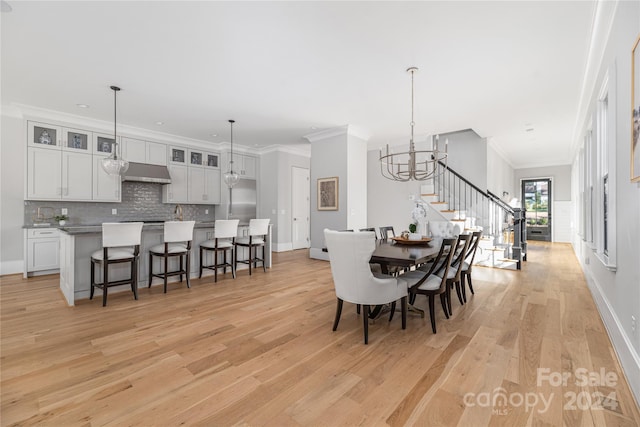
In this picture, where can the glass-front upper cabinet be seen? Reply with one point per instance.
(103, 144)
(212, 160)
(178, 155)
(77, 140)
(43, 135)
(196, 158)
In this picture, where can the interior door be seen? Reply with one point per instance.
(300, 208)
(536, 197)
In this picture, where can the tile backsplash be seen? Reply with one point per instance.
(140, 201)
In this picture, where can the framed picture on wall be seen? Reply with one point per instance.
(328, 194)
(635, 112)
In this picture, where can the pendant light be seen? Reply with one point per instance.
(115, 164)
(231, 177)
(414, 165)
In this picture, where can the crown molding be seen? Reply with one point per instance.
(491, 142)
(349, 130)
(296, 150)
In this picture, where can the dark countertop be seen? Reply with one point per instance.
(97, 228)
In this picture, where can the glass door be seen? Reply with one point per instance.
(536, 197)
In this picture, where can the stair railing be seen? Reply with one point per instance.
(493, 214)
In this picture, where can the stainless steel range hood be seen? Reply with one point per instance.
(143, 172)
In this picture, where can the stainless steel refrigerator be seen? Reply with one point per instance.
(243, 200)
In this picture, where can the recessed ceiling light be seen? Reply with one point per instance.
(313, 128)
(82, 106)
(159, 123)
(214, 135)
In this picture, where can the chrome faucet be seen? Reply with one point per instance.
(178, 213)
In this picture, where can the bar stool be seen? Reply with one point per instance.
(258, 230)
(225, 232)
(177, 243)
(120, 243)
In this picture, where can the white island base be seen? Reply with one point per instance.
(78, 243)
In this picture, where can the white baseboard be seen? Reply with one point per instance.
(629, 357)
(316, 253)
(282, 247)
(11, 267)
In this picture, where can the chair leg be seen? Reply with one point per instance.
(188, 269)
(459, 292)
(470, 284)
(93, 279)
(105, 280)
(134, 278)
(462, 287)
(432, 312)
(250, 260)
(366, 324)
(338, 313)
(264, 267)
(215, 266)
(393, 310)
(357, 308)
(448, 296)
(201, 262)
(150, 268)
(181, 268)
(224, 261)
(443, 301)
(233, 263)
(403, 305)
(166, 268)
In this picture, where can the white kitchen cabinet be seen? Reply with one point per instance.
(212, 186)
(212, 160)
(76, 168)
(44, 169)
(196, 158)
(77, 140)
(42, 247)
(245, 166)
(204, 186)
(105, 187)
(103, 144)
(178, 190)
(139, 151)
(178, 156)
(43, 135)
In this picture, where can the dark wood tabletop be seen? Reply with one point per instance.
(395, 254)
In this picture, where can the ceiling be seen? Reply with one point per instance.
(511, 71)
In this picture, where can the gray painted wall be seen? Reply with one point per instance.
(12, 161)
(618, 293)
(468, 156)
(275, 189)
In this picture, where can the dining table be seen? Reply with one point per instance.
(390, 253)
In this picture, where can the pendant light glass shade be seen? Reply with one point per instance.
(115, 164)
(231, 177)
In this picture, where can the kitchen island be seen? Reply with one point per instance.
(79, 242)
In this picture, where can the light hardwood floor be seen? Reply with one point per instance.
(259, 350)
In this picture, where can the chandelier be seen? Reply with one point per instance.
(414, 165)
(231, 177)
(114, 164)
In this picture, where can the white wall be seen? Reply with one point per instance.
(468, 156)
(356, 183)
(617, 294)
(12, 163)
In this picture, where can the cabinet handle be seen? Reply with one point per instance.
(46, 232)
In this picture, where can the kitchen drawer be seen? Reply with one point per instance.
(36, 233)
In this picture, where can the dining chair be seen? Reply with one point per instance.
(258, 230)
(177, 243)
(370, 229)
(120, 243)
(453, 275)
(224, 235)
(385, 231)
(467, 263)
(430, 284)
(349, 255)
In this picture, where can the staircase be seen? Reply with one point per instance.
(451, 197)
